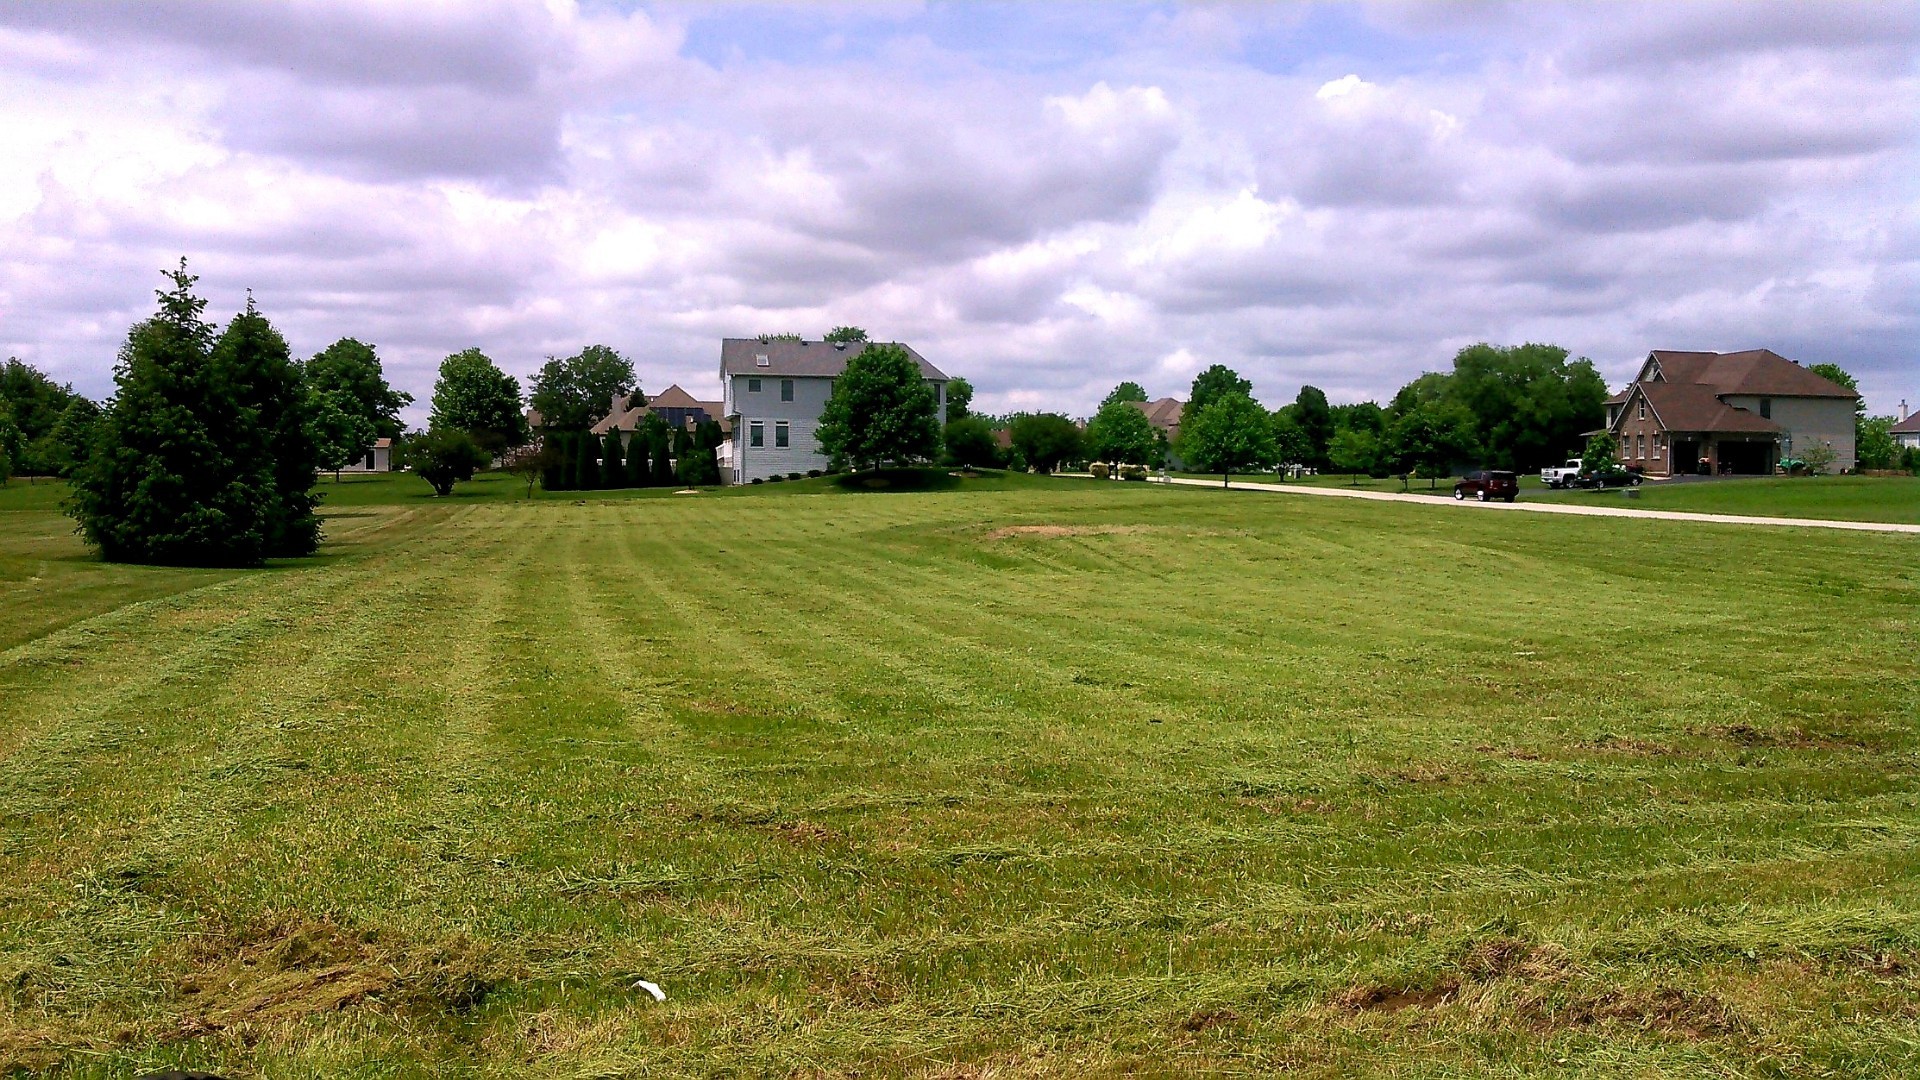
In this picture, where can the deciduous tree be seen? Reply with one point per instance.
(352, 368)
(881, 410)
(576, 393)
(475, 396)
(970, 443)
(1120, 432)
(338, 432)
(1217, 381)
(959, 399)
(1045, 440)
(1126, 391)
(444, 457)
(1354, 450)
(1231, 434)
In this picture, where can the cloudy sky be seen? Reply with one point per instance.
(1046, 199)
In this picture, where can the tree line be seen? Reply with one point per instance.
(1511, 407)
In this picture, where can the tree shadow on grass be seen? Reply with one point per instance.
(902, 479)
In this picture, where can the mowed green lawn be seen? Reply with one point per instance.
(1847, 498)
(1061, 780)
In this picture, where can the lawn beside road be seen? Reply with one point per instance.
(1058, 779)
(1842, 498)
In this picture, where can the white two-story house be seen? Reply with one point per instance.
(773, 392)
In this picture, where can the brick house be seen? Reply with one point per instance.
(1741, 412)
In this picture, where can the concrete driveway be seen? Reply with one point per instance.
(1557, 508)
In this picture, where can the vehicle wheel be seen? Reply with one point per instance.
(1481, 495)
(1635, 482)
(1459, 495)
(1509, 498)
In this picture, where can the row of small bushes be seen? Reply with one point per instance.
(1104, 471)
(809, 474)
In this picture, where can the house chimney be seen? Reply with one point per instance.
(1903, 408)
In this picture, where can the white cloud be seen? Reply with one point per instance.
(531, 177)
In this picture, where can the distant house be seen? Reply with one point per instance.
(379, 459)
(674, 405)
(1907, 432)
(1740, 412)
(773, 393)
(1165, 416)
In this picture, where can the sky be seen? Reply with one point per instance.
(1045, 199)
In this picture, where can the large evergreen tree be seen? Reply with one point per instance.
(162, 485)
(613, 466)
(882, 410)
(660, 443)
(473, 395)
(273, 427)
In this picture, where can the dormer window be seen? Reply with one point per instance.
(760, 360)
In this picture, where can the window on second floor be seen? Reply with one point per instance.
(1766, 407)
(786, 389)
(756, 434)
(782, 436)
(753, 386)
(1643, 409)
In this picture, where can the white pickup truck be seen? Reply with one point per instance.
(1559, 476)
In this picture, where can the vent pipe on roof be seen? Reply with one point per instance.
(840, 346)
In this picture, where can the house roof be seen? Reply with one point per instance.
(1693, 407)
(1908, 426)
(739, 356)
(627, 416)
(383, 444)
(1754, 371)
(1164, 414)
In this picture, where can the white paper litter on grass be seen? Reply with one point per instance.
(651, 988)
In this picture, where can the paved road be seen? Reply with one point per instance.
(1557, 508)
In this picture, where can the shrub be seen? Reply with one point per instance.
(1098, 469)
(795, 476)
(1133, 472)
(755, 480)
(776, 479)
(813, 472)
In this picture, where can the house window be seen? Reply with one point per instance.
(1643, 410)
(1640, 447)
(760, 360)
(1766, 407)
(786, 392)
(781, 434)
(753, 386)
(756, 434)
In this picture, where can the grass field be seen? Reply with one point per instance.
(1056, 779)
(1847, 498)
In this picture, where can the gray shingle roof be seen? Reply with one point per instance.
(738, 356)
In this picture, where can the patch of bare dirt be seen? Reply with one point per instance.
(1669, 1010)
(804, 832)
(1056, 532)
(1512, 957)
(1790, 738)
(1209, 1018)
(1377, 998)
